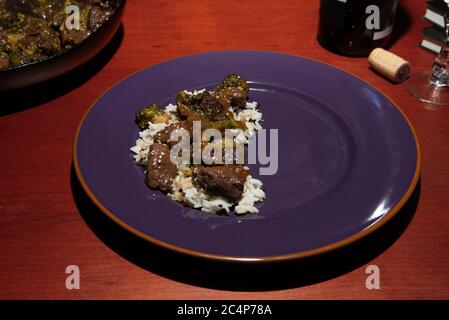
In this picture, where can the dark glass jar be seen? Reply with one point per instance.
(356, 27)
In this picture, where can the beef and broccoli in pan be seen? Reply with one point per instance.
(34, 30)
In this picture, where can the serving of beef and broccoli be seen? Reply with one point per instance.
(216, 184)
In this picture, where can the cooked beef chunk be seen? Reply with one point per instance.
(164, 135)
(72, 37)
(39, 38)
(224, 181)
(190, 116)
(215, 109)
(34, 26)
(40, 45)
(235, 96)
(160, 170)
(237, 156)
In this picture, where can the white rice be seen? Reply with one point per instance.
(184, 190)
(194, 92)
(252, 193)
(146, 139)
(251, 116)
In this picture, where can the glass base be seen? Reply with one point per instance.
(422, 88)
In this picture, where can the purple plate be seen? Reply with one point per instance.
(348, 159)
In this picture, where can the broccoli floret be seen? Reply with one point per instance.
(231, 123)
(234, 81)
(147, 114)
(192, 101)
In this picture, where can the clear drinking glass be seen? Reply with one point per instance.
(433, 87)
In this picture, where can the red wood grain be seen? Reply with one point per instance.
(42, 231)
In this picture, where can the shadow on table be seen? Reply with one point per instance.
(241, 277)
(33, 96)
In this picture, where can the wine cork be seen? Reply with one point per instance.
(390, 65)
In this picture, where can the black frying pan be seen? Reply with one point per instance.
(35, 72)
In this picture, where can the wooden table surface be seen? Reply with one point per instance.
(46, 222)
